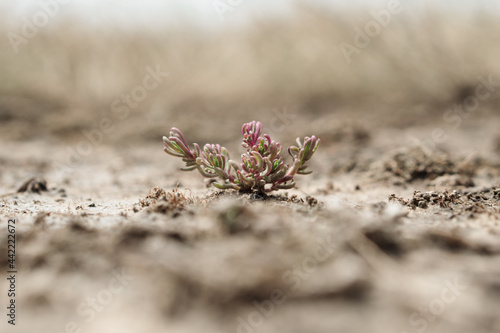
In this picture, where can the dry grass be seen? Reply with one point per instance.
(65, 79)
(386, 227)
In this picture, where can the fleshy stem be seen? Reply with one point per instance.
(262, 167)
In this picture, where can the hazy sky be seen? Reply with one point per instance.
(149, 12)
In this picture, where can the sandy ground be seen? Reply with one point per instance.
(393, 232)
(125, 242)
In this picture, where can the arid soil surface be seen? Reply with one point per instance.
(396, 231)
(384, 236)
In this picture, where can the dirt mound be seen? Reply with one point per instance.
(463, 203)
(160, 201)
(409, 165)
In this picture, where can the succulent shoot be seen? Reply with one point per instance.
(262, 167)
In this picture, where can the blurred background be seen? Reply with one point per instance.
(365, 76)
(67, 65)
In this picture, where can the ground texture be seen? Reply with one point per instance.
(384, 236)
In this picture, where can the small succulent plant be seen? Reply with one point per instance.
(262, 168)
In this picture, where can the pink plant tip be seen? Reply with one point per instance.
(262, 167)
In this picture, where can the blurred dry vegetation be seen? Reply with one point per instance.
(64, 80)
